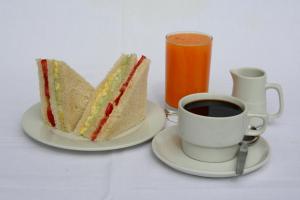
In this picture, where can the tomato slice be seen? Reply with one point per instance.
(110, 107)
(47, 93)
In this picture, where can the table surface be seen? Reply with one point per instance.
(89, 35)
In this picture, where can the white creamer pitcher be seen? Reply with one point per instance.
(250, 85)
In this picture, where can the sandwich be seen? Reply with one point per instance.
(119, 102)
(64, 94)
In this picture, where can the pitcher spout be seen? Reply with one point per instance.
(235, 79)
(234, 73)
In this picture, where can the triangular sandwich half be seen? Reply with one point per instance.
(120, 100)
(64, 94)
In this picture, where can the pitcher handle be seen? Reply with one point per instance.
(278, 89)
(259, 130)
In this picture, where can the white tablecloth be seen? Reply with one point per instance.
(89, 35)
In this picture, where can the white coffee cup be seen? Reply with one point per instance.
(213, 139)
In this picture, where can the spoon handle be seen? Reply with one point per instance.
(241, 158)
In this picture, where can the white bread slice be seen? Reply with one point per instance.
(69, 101)
(132, 107)
(42, 93)
(87, 123)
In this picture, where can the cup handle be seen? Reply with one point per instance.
(278, 89)
(258, 130)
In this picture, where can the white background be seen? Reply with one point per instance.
(89, 35)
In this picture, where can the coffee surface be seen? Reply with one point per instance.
(213, 108)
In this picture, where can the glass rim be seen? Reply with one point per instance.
(188, 32)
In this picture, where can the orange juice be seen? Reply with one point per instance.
(187, 65)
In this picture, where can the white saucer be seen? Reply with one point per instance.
(167, 147)
(34, 127)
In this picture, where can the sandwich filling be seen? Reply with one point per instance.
(47, 93)
(110, 106)
(105, 93)
(57, 87)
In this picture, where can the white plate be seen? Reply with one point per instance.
(167, 147)
(34, 127)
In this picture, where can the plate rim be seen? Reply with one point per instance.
(147, 137)
(204, 173)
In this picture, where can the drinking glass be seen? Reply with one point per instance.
(188, 57)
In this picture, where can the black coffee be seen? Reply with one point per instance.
(213, 108)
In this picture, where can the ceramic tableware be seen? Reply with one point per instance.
(213, 139)
(35, 128)
(250, 85)
(166, 145)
